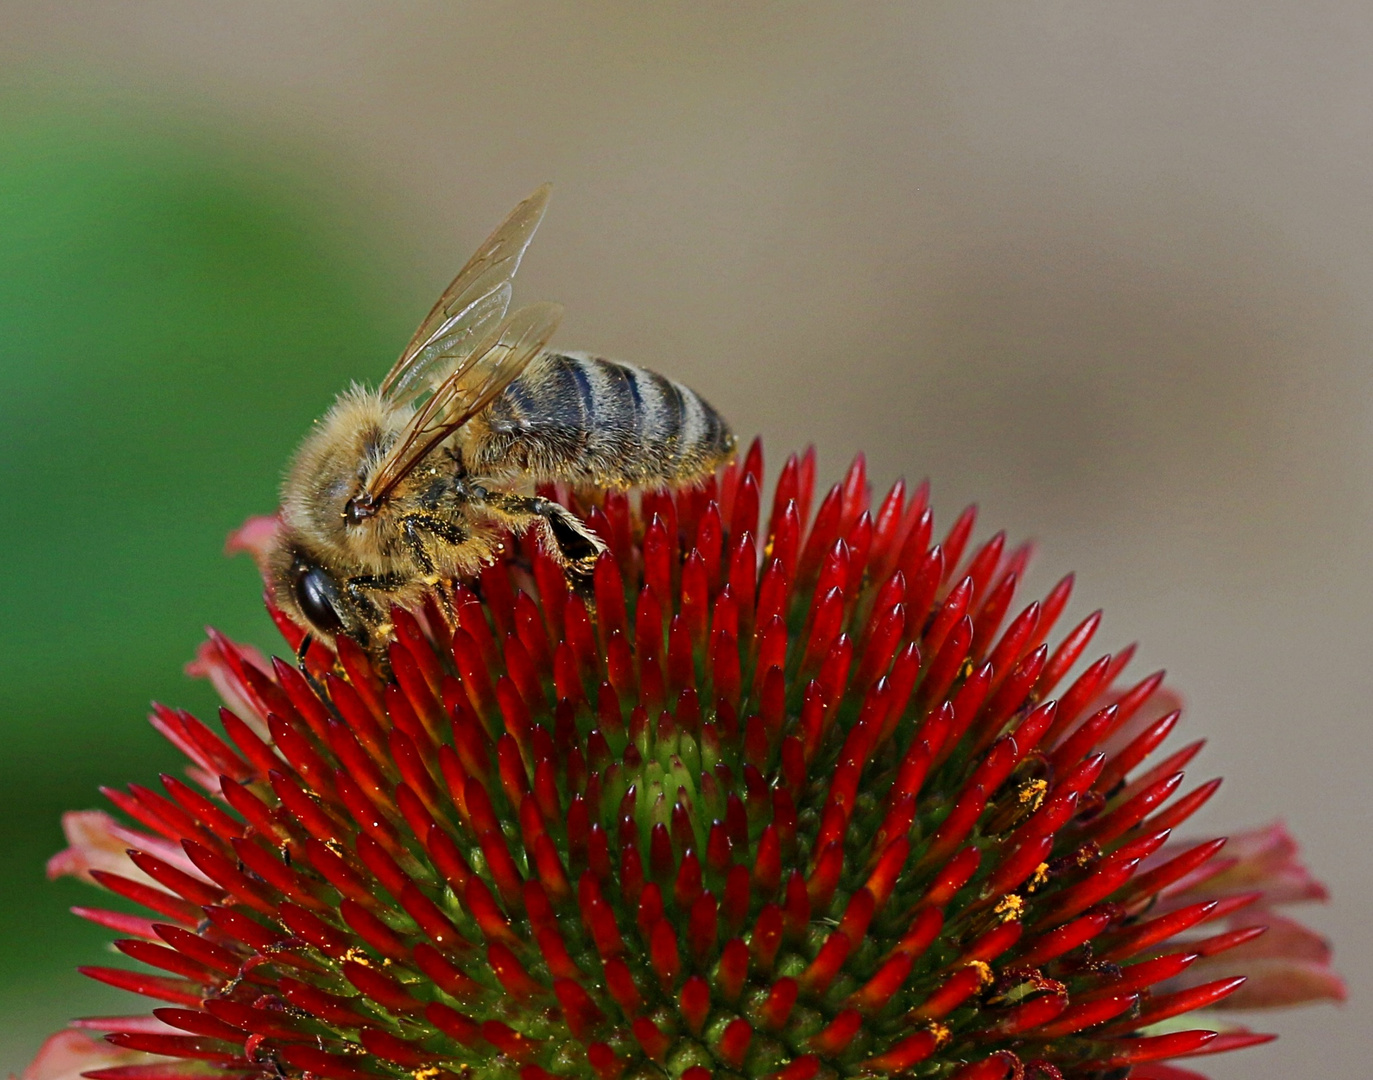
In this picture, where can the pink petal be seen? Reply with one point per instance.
(1266, 859)
(209, 663)
(255, 536)
(1272, 983)
(1291, 885)
(1271, 845)
(96, 844)
(1282, 983)
(143, 1025)
(1287, 965)
(160, 846)
(1286, 938)
(68, 1054)
(99, 842)
(205, 779)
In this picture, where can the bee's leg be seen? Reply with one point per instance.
(415, 524)
(354, 587)
(445, 590)
(303, 648)
(445, 530)
(563, 532)
(418, 551)
(578, 546)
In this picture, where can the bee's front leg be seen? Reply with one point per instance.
(413, 526)
(355, 586)
(376, 628)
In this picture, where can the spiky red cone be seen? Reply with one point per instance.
(797, 801)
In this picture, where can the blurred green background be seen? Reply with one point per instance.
(176, 306)
(1104, 268)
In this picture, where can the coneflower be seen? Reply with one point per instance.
(793, 795)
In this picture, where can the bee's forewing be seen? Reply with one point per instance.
(450, 341)
(472, 305)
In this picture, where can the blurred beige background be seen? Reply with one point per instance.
(1105, 268)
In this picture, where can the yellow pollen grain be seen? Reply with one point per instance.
(1031, 794)
(358, 956)
(983, 969)
(1010, 907)
(1038, 878)
(429, 1072)
(942, 1035)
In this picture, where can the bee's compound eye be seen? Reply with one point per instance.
(317, 593)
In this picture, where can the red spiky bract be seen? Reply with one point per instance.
(791, 798)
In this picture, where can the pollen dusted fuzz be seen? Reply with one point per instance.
(402, 488)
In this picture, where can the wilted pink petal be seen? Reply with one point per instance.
(254, 536)
(207, 780)
(210, 663)
(1268, 846)
(99, 842)
(144, 1025)
(1286, 938)
(68, 1054)
(1278, 983)
(163, 848)
(95, 845)
(1265, 859)
(1287, 885)
(1270, 983)
(1268, 859)
(1289, 964)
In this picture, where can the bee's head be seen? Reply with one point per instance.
(327, 494)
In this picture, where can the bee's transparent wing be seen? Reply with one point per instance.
(475, 301)
(492, 366)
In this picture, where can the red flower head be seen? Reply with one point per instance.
(806, 800)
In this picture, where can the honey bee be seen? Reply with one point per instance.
(400, 489)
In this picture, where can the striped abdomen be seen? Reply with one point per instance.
(597, 422)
